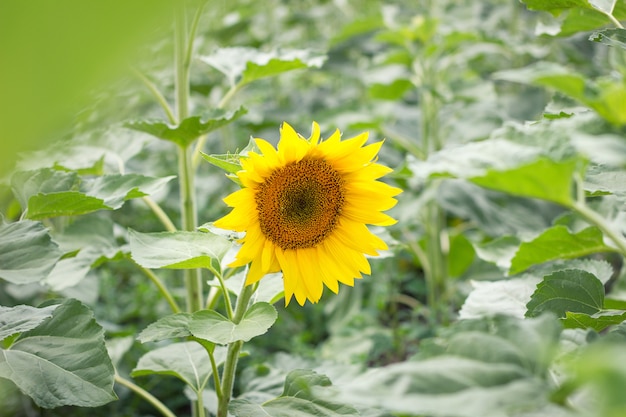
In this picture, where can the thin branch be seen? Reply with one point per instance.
(158, 211)
(145, 395)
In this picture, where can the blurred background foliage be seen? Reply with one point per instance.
(425, 75)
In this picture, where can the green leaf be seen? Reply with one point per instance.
(115, 189)
(556, 6)
(48, 193)
(558, 243)
(393, 91)
(22, 318)
(300, 398)
(187, 361)
(92, 240)
(461, 255)
(190, 128)
(65, 203)
(500, 371)
(530, 180)
(62, 361)
(27, 253)
(231, 163)
(243, 65)
(211, 326)
(490, 298)
(571, 290)
(597, 322)
(610, 37)
(177, 250)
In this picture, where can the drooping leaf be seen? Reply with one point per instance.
(558, 243)
(190, 128)
(611, 37)
(300, 398)
(211, 326)
(62, 361)
(26, 184)
(242, 65)
(64, 203)
(177, 250)
(188, 361)
(22, 318)
(570, 290)
(491, 298)
(27, 253)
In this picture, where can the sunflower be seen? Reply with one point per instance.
(305, 207)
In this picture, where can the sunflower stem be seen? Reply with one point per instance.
(232, 356)
(166, 412)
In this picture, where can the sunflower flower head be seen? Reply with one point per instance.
(305, 207)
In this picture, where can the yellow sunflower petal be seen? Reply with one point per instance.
(315, 134)
(309, 275)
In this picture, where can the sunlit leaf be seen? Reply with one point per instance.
(27, 253)
(190, 128)
(570, 290)
(114, 190)
(558, 243)
(62, 361)
(177, 250)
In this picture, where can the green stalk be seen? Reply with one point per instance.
(232, 356)
(158, 211)
(166, 412)
(161, 287)
(193, 277)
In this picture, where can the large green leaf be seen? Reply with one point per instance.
(190, 128)
(556, 6)
(211, 326)
(558, 243)
(22, 318)
(91, 241)
(530, 180)
(62, 361)
(570, 290)
(243, 65)
(27, 253)
(188, 361)
(300, 398)
(47, 193)
(177, 250)
(491, 367)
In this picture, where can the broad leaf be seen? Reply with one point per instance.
(243, 65)
(22, 318)
(530, 180)
(570, 290)
(300, 398)
(114, 190)
(490, 368)
(190, 128)
(93, 241)
(188, 361)
(27, 253)
(62, 361)
(48, 193)
(490, 298)
(177, 250)
(556, 6)
(558, 243)
(211, 326)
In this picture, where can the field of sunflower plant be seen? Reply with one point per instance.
(335, 208)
